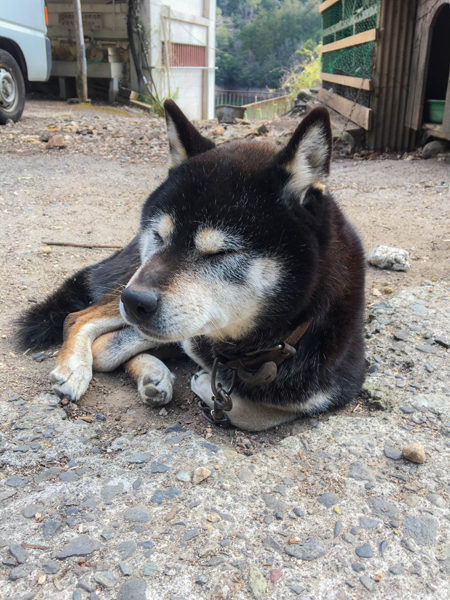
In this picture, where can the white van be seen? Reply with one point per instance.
(25, 53)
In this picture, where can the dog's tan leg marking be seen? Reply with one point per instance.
(73, 370)
(113, 349)
(154, 380)
(244, 414)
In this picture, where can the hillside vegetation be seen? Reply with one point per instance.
(257, 39)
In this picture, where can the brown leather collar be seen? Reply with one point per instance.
(260, 367)
(253, 368)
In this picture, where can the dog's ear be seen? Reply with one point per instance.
(306, 158)
(184, 140)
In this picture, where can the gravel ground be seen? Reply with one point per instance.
(110, 500)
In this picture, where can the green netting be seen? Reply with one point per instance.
(341, 20)
(355, 61)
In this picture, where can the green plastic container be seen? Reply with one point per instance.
(436, 110)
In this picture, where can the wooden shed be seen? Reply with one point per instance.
(383, 61)
(174, 45)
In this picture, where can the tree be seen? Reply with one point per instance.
(259, 38)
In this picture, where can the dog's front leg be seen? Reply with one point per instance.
(73, 370)
(154, 380)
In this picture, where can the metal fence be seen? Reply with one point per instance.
(241, 97)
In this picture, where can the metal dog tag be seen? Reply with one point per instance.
(266, 373)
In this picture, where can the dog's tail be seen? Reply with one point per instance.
(41, 325)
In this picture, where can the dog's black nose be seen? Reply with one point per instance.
(139, 304)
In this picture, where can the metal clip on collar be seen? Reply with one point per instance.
(221, 398)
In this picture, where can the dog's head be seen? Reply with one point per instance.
(231, 240)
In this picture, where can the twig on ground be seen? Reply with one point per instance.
(78, 245)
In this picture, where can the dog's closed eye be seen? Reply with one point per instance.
(158, 238)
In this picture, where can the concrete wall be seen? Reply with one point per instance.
(183, 22)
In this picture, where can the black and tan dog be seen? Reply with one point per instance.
(245, 260)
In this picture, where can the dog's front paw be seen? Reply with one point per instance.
(155, 387)
(71, 381)
(201, 386)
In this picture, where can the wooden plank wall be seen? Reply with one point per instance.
(391, 75)
(426, 11)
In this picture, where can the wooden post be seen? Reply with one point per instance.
(82, 90)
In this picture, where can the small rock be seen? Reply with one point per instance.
(256, 583)
(386, 257)
(328, 499)
(433, 148)
(18, 572)
(133, 589)
(49, 528)
(200, 474)
(442, 341)
(38, 356)
(51, 567)
(214, 561)
(68, 476)
(125, 568)
(105, 578)
(337, 528)
(19, 553)
(108, 534)
(437, 500)
(191, 534)
(275, 575)
(410, 544)
(80, 546)
(30, 510)
(138, 514)
(139, 458)
(168, 494)
(126, 549)
(397, 569)
(16, 481)
(422, 529)
(310, 550)
(368, 523)
(158, 467)
(149, 569)
(358, 567)
(402, 335)
(176, 427)
(414, 452)
(201, 579)
(364, 551)
(426, 348)
(183, 476)
(392, 452)
(297, 588)
(368, 583)
(359, 471)
(56, 141)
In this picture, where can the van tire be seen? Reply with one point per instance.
(12, 89)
